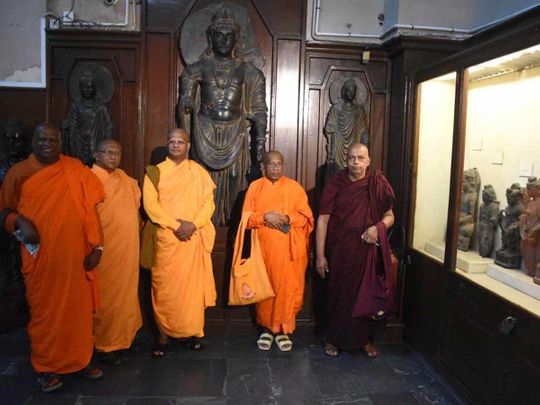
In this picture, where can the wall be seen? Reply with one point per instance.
(21, 40)
(427, 18)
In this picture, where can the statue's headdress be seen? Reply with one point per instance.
(224, 18)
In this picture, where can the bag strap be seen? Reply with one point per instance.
(152, 172)
(239, 243)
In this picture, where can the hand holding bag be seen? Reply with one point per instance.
(249, 279)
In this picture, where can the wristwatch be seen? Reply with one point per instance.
(100, 248)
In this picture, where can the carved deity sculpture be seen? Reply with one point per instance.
(88, 121)
(11, 279)
(13, 143)
(487, 221)
(509, 255)
(529, 229)
(467, 215)
(222, 100)
(346, 123)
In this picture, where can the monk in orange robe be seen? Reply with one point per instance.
(51, 200)
(119, 316)
(181, 204)
(283, 219)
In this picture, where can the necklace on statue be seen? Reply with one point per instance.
(223, 73)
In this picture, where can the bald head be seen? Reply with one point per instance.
(178, 145)
(108, 155)
(356, 147)
(178, 132)
(273, 154)
(108, 142)
(357, 161)
(273, 165)
(47, 143)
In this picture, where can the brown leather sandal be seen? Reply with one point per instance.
(370, 350)
(330, 350)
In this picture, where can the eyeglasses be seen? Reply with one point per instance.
(111, 153)
(174, 142)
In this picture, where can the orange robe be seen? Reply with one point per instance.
(60, 200)
(285, 255)
(119, 316)
(182, 278)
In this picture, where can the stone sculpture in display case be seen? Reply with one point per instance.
(509, 255)
(469, 202)
(488, 221)
(529, 229)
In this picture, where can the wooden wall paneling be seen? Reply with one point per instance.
(287, 103)
(27, 104)
(158, 81)
(311, 141)
(284, 16)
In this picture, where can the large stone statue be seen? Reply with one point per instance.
(467, 214)
(88, 122)
(346, 123)
(529, 229)
(487, 221)
(509, 255)
(222, 100)
(13, 144)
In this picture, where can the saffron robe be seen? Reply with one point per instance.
(60, 200)
(119, 316)
(353, 207)
(285, 255)
(182, 278)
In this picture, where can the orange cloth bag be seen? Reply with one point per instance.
(249, 279)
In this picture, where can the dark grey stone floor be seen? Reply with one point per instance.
(231, 370)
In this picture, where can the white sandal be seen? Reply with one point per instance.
(265, 341)
(284, 343)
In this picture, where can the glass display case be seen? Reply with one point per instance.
(436, 99)
(491, 214)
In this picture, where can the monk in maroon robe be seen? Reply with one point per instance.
(352, 247)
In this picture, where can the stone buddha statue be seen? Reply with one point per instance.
(88, 121)
(222, 104)
(346, 123)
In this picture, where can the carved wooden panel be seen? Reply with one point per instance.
(324, 66)
(119, 53)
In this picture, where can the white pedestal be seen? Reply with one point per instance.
(469, 262)
(515, 278)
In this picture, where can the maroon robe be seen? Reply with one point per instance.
(356, 286)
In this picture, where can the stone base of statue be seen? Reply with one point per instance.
(509, 260)
(516, 279)
(469, 262)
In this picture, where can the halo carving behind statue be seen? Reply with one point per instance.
(103, 80)
(361, 91)
(192, 42)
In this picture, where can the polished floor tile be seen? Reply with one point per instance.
(231, 370)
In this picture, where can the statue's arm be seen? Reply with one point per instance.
(257, 108)
(187, 93)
